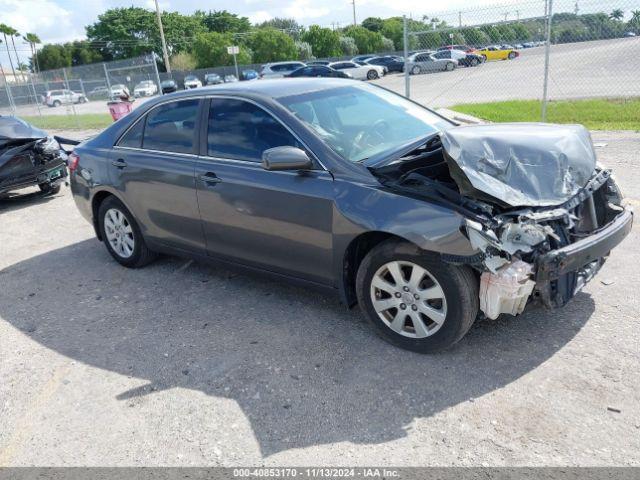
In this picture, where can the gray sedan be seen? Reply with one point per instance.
(425, 62)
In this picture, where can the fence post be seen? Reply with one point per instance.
(82, 87)
(547, 48)
(155, 68)
(106, 76)
(35, 94)
(73, 107)
(405, 40)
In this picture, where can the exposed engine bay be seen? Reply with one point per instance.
(540, 212)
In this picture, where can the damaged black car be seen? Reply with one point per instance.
(29, 157)
(349, 187)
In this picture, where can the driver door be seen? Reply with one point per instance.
(279, 221)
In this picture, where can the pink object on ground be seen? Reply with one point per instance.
(119, 109)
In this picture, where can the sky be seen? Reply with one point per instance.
(57, 21)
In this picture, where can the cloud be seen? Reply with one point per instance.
(259, 16)
(302, 9)
(43, 17)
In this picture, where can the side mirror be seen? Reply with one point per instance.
(286, 158)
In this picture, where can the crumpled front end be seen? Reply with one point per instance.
(540, 213)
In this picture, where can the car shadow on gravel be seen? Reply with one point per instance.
(22, 199)
(304, 370)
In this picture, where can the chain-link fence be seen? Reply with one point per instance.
(530, 50)
(534, 50)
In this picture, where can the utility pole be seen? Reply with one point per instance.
(165, 55)
(506, 14)
(353, 2)
(547, 48)
(518, 15)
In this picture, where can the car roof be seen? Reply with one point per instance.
(265, 88)
(282, 63)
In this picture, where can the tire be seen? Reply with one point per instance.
(83, 100)
(415, 70)
(372, 75)
(49, 189)
(450, 66)
(474, 62)
(140, 254)
(57, 103)
(484, 58)
(456, 310)
(511, 55)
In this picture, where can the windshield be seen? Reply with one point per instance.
(362, 121)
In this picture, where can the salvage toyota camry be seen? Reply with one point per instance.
(343, 185)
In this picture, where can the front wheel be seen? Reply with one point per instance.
(511, 55)
(372, 75)
(474, 62)
(416, 70)
(413, 299)
(450, 66)
(121, 235)
(49, 189)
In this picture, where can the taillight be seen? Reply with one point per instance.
(73, 162)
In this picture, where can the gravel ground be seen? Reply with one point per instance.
(184, 364)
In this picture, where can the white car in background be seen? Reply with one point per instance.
(145, 88)
(118, 90)
(55, 98)
(191, 81)
(279, 69)
(359, 72)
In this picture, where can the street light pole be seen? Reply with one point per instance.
(165, 55)
(353, 2)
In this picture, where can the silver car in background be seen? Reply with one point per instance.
(279, 69)
(425, 62)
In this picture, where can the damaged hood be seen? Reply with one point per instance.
(520, 164)
(13, 128)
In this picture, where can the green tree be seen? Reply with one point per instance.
(287, 25)
(521, 33)
(617, 14)
(305, 52)
(374, 24)
(7, 30)
(634, 21)
(348, 46)
(223, 21)
(183, 61)
(324, 41)
(393, 29)
(271, 45)
(54, 56)
(475, 36)
(388, 45)
(429, 40)
(366, 40)
(210, 50)
(507, 35)
(492, 32)
(33, 40)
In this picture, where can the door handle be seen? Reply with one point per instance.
(210, 178)
(119, 163)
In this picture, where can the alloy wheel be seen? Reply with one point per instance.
(119, 233)
(408, 299)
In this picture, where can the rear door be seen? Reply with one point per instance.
(152, 167)
(277, 221)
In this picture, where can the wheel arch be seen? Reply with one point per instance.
(96, 200)
(355, 252)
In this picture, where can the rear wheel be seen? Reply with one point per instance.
(413, 299)
(512, 55)
(415, 70)
(121, 235)
(450, 66)
(57, 103)
(474, 62)
(372, 75)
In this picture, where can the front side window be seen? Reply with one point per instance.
(171, 127)
(241, 130)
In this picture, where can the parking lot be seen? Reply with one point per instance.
(182, 363)
(578, 70)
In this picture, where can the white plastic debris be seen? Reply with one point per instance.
(506, 290)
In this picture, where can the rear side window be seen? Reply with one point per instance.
(171, 127)
(133, 137)
(241, 130)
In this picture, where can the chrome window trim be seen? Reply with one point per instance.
(148, 150)
(204, 157)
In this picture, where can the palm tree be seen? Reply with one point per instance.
(617, 14)
(634, 23)
(14, 33)
(33, 40)
(6, 30)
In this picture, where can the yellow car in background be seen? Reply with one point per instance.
(497, 53)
